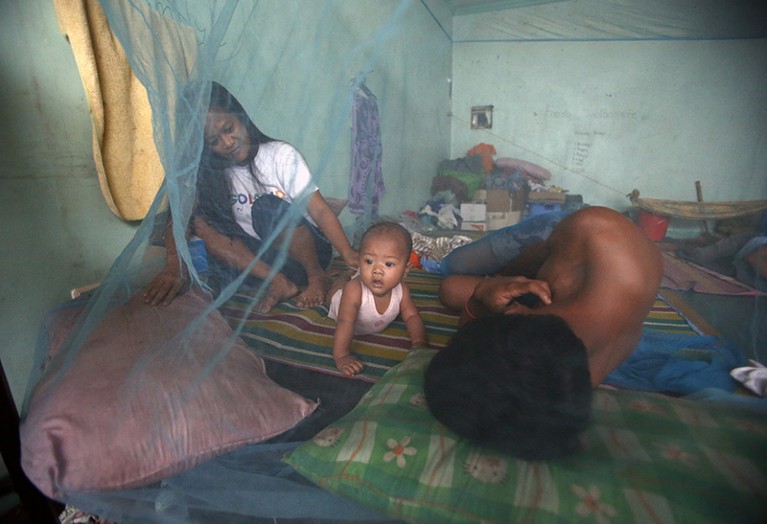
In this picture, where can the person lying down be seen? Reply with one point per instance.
(540, 331)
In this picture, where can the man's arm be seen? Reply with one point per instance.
(498, 294)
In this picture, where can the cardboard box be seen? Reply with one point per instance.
(519, 200)
(503, 200)
(473, 226)
(501, 220)
(473, 212)
(498, 200)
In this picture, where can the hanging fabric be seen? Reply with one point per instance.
(119, 108)
(367, 185)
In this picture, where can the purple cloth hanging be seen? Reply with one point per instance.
(366, 185)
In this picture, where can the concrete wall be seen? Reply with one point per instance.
(606, 117)
(57, 231)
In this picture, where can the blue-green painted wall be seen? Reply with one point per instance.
(677, 111)
(58, 232)
(608, 116)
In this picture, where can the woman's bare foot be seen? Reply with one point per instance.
(336, 280)
(314, 294)
(280, 290)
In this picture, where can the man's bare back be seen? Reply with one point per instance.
(597, 271)
(604, 275)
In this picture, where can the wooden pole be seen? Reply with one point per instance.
(699, 195)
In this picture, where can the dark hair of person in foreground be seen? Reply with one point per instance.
(518, 384)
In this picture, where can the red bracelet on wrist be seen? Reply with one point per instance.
(468, 312)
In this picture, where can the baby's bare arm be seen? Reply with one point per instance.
(348, 309)
(413, 321)
(349, 364)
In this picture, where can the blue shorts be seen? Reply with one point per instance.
(266, 214)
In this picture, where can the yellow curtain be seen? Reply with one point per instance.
(127, 163)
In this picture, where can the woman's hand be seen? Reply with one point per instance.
(172, 281)
(352, 259)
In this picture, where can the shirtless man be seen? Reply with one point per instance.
(596, 277)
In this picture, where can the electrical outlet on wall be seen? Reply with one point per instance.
(482, 117)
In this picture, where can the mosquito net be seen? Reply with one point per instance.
(208, 419)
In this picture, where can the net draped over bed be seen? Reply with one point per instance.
(176, 49)
(294, 92)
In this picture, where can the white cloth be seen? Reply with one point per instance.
(754, 377)
(280, 170)
(369, 320)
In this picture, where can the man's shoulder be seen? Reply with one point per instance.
(602, 229)
(593, 217)
(608, 250)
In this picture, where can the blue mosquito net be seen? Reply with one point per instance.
(341, 110)
(293, 91)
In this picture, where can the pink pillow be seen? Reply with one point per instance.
(532, 170)
(139, 403)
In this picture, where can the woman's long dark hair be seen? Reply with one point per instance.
(213, 192)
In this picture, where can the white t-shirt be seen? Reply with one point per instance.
(281, 171)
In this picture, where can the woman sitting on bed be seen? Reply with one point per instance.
(245, 185)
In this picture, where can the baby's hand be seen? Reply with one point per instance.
(349, 365)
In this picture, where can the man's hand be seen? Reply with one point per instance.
(497, 294)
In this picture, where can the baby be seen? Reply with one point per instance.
(375, 295)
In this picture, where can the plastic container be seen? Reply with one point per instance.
(654, 226)
(199, 254)
(539, 208)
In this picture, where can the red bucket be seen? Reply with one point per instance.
(654, 227)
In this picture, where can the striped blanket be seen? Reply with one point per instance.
(304, 337)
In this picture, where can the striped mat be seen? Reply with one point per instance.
(683, 275)
(304, 337)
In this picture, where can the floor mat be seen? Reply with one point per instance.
(304, 337)
(683, 275)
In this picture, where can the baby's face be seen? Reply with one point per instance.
(383, 263)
